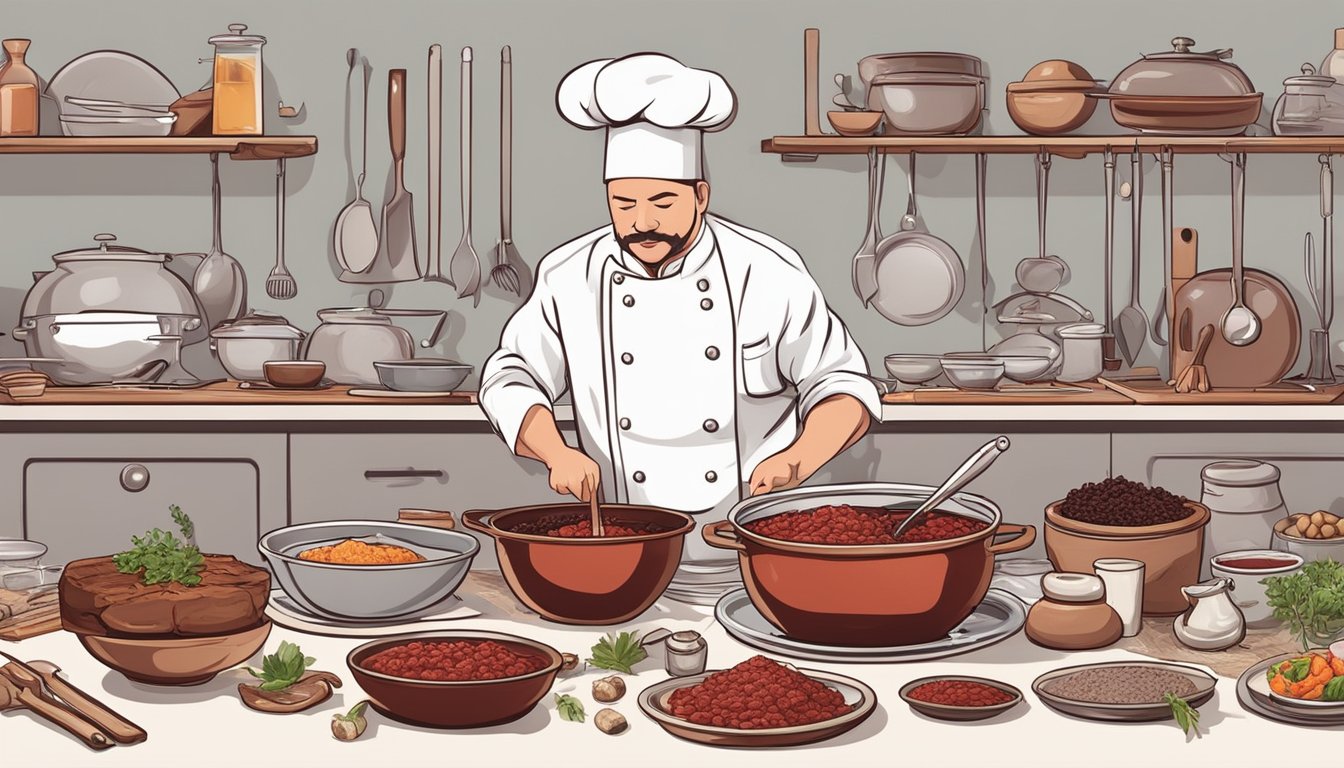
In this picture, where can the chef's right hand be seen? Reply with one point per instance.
(574, 473)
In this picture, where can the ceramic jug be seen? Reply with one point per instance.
(1213, 621)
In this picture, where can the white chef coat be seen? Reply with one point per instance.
(681, 383)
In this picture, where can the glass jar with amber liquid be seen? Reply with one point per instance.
(19, 86)
(237, 83)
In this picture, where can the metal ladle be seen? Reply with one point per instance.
(968, 471)
(1241, 326)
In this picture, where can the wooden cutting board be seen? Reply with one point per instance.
(43, 616)
(1156, 392)
(225, 393)
(1051, 393)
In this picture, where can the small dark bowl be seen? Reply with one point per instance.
(957, 713)
(455, 704)
(294, 374)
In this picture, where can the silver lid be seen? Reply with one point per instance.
(1309, 77)
(237, 38)
(258, 325)
(686, 641)
(1183, 72)
(106, 250)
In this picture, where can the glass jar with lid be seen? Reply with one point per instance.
(237, 83)
(1311, 104)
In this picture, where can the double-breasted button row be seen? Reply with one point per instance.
(618, 278)
(702, 284)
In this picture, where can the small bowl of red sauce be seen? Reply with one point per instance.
(950, 697)
(460, 679)
(1247, 568)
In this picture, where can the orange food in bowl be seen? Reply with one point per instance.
(351, 552)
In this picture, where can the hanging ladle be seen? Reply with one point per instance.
(1241, 326)
(968, 471)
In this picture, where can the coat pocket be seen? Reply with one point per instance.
(761, 376)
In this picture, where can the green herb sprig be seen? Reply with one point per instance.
(1310, 602)
(570, 708)
(162, 557)
(282, 668)
(1185, 715)
(618, 652)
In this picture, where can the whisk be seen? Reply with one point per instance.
(280, 284)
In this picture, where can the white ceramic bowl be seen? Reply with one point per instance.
(85, 125)
(913, 369)
(969, 373)
(1249, 590)
(1311, 549)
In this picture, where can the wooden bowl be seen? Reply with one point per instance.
(294, 374)
(176, 661)
(848, 123)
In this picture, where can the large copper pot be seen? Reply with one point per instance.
(585, 580)
(866, 595)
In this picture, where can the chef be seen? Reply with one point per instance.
(702, 361)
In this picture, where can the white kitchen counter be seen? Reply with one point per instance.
(894, 414)
(208, 726)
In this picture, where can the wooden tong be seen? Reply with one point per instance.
(38, 688)
(1195, 378)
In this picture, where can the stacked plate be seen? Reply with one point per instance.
(704, 584)
(111, 93)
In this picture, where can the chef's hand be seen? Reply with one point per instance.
(574, 473)
(777, 473)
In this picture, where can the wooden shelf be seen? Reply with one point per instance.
(1064, 146)
(236, 147)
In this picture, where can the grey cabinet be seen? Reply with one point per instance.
(370, 477)
(85, 495)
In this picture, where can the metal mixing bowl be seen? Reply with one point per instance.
(368, 591)
(422, 375)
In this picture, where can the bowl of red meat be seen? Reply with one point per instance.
(1120, 518)
(820, 563)
(758, 703)
(960, 699)
(460, 679)
(554, 564)
(163, 613)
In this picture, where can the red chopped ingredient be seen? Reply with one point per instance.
(843, 524)
(584, 529)
(960, 693)
(758, 693)
(452, 660)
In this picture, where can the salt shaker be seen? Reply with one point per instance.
(685, 652)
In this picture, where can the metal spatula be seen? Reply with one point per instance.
(465, 266)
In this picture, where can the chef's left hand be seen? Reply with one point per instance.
(777, 473)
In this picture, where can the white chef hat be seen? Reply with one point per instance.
(655, 110)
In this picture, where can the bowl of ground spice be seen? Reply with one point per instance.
(458, 679)
(555, 566)
(960, 699)
(758, 703)
(1120, 518)
(1133, 691)
(366, 569)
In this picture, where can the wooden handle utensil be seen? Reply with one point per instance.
(123, 731)
(18, 690)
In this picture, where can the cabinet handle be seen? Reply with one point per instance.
(384, 474)
(134, 477)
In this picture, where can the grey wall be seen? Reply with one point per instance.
(48, 204)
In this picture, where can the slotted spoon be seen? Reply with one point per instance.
(280, 284)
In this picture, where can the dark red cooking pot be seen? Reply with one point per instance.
(866, 595)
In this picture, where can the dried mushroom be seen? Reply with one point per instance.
(313, 688)
(351, 725)
(610, 721)
(608, 689)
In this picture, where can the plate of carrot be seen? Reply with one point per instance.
(1315, 679)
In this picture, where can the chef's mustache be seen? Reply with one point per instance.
(651, 237)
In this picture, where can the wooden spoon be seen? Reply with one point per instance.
(594, 510)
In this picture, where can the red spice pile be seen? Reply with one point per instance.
(758, 693)
(843, 524)
(452, 660)
(584, 530)
(960, 693)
